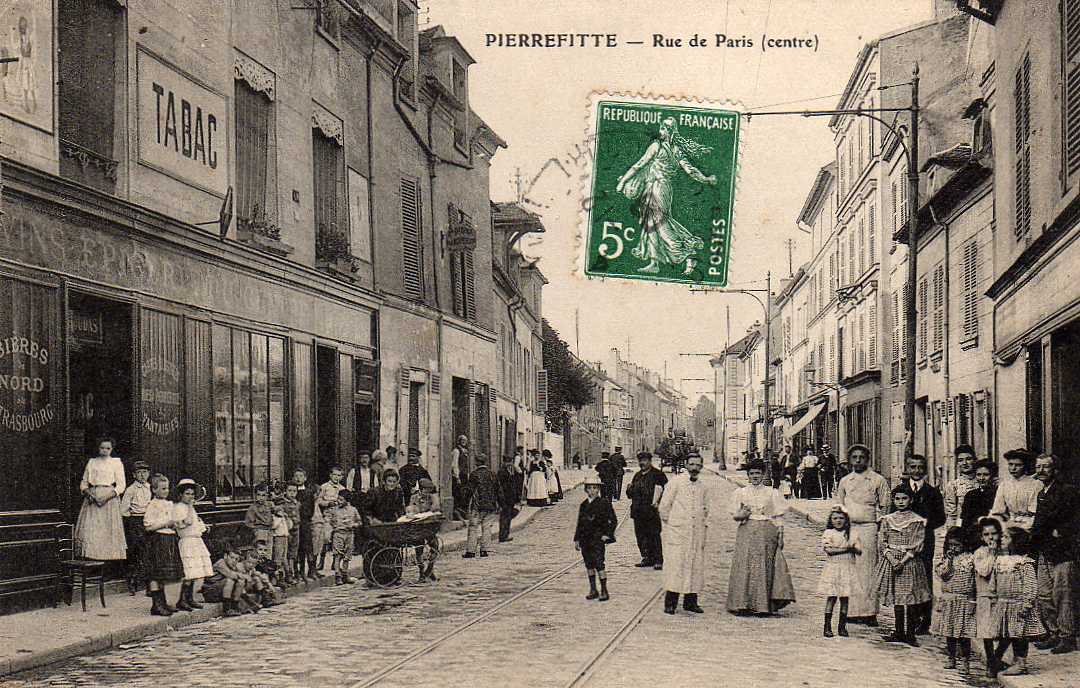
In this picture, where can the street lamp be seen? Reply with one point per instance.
(911, 152)
(766, 306)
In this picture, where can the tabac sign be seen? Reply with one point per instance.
(183, 126)
(661, 192)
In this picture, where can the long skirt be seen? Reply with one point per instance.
(759, 580)
(195, 558)
(552, 487)
(163, 558)
(536, 493)
(865, 603)
(99, 532)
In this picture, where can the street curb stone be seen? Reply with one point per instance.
(141, 631)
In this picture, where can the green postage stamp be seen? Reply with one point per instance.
(662, 190)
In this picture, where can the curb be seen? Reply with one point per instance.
(211, 611)
(797, 510)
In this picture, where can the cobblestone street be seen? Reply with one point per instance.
(346, 635)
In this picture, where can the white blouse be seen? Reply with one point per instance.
(104, 471)
(765, 503)
(160, 513)
(183, 512)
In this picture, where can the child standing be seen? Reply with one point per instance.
(839, 578)
(595, 530)
(954, 607)
(291, 507)
(162, 546)
(279, 551)
(260, 516)
(193, 552)
(984, 560)
(326, 499)
(1015, 618)
(901, 577)
(342, 519)
(133, 505)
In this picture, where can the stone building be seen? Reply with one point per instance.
(238, 238)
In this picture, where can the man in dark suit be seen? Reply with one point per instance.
(508, 497)
(618, 461)
(930, 504)
(606, 470)
(1054, 536)
(644, 492)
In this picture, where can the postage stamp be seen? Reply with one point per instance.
(661, 188)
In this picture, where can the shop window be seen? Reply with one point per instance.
(249, 411)
(31, 399)
(160, 408)
(90, 35)
(302, 420)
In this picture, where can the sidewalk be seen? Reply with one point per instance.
(44, 636)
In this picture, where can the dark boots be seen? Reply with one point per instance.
(159, 608)
(841, 626)
(603, 591)
(690, 603)
(593, 594)
(899, 634)
(671, 600)
(828, 626)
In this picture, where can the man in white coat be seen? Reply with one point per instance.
(684, 510)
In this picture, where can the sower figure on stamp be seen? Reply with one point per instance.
(650, 182)
(684, 510)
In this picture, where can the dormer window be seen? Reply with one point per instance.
(328, 19)
(981, 138)
(460, 82)
(406, 35)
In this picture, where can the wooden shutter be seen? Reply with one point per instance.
(832, 358)
(469, 285)
(1070, 38)
(1022, 108)
(252, 137)
(542, 391)
(862, 342)
(905, 298)
(939, 308)
(411, 248)
(893, 217)
(862, 246)
(924, 303)
(871, 239)
(894, 325)
(969, 283)
(872, 353)
(904, 197)
(458, 281)
(851, 260)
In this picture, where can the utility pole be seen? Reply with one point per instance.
(790, 243)
(577, 333)
(768, 367)
(912, 271)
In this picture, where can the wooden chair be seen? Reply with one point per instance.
(74, 570)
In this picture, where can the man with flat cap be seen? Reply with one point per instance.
(645, 490)
(412, 473)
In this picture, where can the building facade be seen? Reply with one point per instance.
(237, 258)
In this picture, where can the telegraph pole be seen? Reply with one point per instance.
(912, 270)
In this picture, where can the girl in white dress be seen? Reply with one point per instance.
(839, 578)
(99, 531)
(193, 552)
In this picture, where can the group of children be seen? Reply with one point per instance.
(989, 593)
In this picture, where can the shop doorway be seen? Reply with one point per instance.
(326, 380)
(100, 362)
(460, 414)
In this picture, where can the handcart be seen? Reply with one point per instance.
(393, 546)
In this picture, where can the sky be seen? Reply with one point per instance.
(536, 99)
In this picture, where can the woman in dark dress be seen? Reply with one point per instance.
(977, 503)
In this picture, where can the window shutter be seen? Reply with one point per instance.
(871, 240)
(832, 358)
(1022, 108)
(411, 253)
(862, 246)
(894, 322)
(872, 355)
(969, 280)
(904, 198)
(842, 253)
(893, 217)
(542, 391)
(1070, 37)
(924, 303)
(851, 260)
(470, 286)
(939, 308)
(862, 342)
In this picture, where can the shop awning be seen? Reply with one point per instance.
(806, 419)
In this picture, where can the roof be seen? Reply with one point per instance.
(817, 193)
(437, 34)
(512, 215)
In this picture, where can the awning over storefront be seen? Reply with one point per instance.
(807, 418)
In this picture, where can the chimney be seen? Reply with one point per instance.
(943, 9)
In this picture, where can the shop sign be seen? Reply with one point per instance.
(183, 126)
(86, 327)
(462, 233)
(23, 381)
(160, 397)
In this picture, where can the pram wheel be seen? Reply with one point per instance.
(386, 567)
